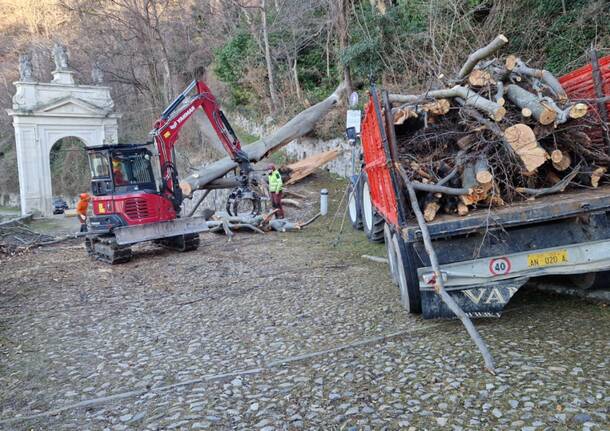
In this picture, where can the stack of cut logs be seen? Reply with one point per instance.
(501, 132)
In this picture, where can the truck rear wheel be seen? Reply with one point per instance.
(389, 246)
(373, 222)
(591, 280)
(406, 273)
(354, 205)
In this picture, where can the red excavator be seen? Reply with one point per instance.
(135, 188)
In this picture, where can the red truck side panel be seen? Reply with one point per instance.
(376, 168)
(579, 85)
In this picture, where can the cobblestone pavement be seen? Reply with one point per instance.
(279, 332)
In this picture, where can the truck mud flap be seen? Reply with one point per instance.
(476, 301)
(148, 232)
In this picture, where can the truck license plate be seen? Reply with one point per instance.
(548, 258)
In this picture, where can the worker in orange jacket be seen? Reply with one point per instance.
(81, 210)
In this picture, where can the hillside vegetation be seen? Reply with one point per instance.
(268, 59)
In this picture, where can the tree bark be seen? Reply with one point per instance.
(526, 100)
(516, 65)
(471, 98)
(480, 54)
(300, 125)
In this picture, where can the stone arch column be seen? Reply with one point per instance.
(44, 113)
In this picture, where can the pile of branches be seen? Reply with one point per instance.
(500, 132)
(17, 238)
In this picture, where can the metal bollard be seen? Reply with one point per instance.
(323, 202)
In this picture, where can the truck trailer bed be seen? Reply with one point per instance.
(546, 208)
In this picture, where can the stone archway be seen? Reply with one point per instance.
(70, 174)
(44, 113)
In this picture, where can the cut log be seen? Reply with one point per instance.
(523, 141)
(480, 54)
(526, 112)
(408, 99)
(305, 167)
(597, 175)
(300, 125)
(402, 114)
(462, 209)
(439, 107)
(474, 99)
(469, 181)
(431, 207)
(561, 160)
(575, 111)
(579, 110)
(471, 98)
(482, 173)
(500, 93)
(524, 99)
(544, 75)
(480, 78)
(511, 62)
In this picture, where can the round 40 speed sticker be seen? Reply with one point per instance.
(499, 266)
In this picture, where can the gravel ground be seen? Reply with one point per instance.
(281, 331)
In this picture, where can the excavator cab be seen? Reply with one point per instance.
(125, 189)
(121, 169)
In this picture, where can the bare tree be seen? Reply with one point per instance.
(268, 61)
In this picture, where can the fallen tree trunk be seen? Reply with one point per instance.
(302, 124)
(303, 168)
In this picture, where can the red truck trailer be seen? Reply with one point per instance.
(488, 255)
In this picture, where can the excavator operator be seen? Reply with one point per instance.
(117, 172)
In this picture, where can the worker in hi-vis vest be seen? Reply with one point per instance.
(275, 189)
